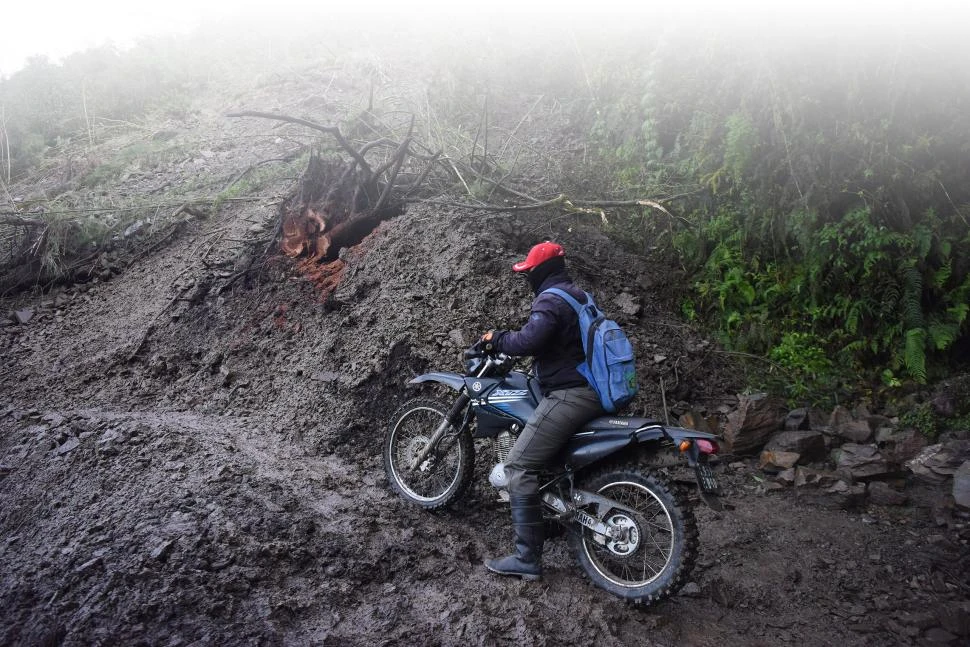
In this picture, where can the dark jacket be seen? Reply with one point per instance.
(551, 336)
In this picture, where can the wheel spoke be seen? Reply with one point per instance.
(439, 470)
(638, 565)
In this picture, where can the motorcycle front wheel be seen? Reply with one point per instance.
(655, 545)
(445, 473)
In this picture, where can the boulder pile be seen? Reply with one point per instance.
(843, 458)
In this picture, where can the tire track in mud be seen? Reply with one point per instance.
(170, 509)
(184, 525)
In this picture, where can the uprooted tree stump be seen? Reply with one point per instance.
(336, 203)
(333, 208)
(339, 202)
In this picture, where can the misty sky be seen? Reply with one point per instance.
(58, 28)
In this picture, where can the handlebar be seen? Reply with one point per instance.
(475, 350)
(480, 348)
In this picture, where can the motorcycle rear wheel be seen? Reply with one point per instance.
(657, 552)
(445, 474)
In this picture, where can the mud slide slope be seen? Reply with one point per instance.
(217, 480)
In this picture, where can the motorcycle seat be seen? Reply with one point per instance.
(613, 423)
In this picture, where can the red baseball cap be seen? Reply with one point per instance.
(538, 255)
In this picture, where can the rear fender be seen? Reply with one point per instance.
(675, 434)
(653, 434)
(588, 447)
(451, 380)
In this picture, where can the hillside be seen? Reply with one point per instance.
(190, 442)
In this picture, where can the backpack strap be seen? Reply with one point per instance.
(568, 298)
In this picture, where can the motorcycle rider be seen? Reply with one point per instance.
(551, 336)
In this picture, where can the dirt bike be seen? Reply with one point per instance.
(632, 529)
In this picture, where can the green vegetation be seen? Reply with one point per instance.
(828, 196)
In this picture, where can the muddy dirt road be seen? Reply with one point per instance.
(223, 486)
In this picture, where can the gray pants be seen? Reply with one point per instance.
(558, 416)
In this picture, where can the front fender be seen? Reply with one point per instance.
(451, 380)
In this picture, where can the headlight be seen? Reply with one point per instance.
(472, 366)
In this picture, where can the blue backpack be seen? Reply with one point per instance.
(609, 367)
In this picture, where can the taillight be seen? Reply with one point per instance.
(706, 446)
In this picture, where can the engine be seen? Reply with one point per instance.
(503, 445)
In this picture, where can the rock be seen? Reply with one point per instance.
(877, 422)
(938, 636)
(937, 463)
(325, 376)
(23, 316)
(857, 431)
(952, 397)
(787, 476)
(628, 304)
(883, 434)
(840, 416)
(810, 444)
(862, 461)
(797, 419)
(54, 419)
(921, 619)
(750, 426)
(659, 359)
(88, 565)
(902, 446)
(961, 485)
(880, 493)
(162, 551)
(778, 460)
(69, 445)
(695, 420)
(805, 476)
(457, 338)
(955, 617)
(690, 590)
(845, 496)
(840, 496)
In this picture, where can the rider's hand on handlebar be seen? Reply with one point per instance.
(487, 338)
(484, 345)
(490, 340)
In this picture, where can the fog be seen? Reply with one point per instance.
(55, 30)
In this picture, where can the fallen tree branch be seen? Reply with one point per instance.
(653, 204)
(498, 185)
(18, 221)
(330, 130)
(575, 206)
(424, 174)
(168, 205)
(489, 207)
(286, 158)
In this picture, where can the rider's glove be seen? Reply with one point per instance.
(490, 339)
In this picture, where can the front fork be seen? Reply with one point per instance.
(450, 419)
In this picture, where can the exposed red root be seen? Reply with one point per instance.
(325, 276)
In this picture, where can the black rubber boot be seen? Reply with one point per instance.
(526, 561)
